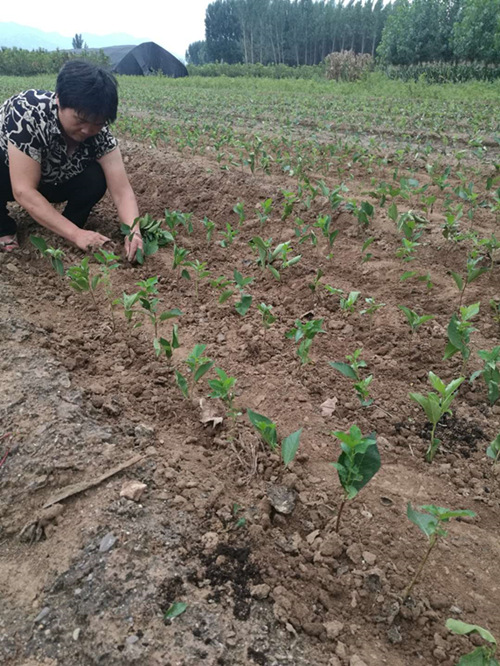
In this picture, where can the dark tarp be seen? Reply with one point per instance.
(144, 59)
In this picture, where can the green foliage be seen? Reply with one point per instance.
(21, 62)
(484, 655)
(490, 372)
(223, 389)
(348, 303)
(198, 365)
(268, 318)
(493, 450)
(414, 319)
(459, 331)
(351, 371)
(436, 405)
(54, 255)
(357, 464)
(176, 609)
(305, 332)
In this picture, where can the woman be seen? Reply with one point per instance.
(57, 146)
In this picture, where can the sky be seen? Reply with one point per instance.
(172, 24)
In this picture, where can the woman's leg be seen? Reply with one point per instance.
(81, 192)
(8, 226)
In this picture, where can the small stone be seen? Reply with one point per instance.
(210, 540)
(354, 553)
(332, 546)
(144, 432)
(334, 661)
(42, 614)
(333, 629)
(394, 635)
(341, 650)
(311, 537)
(260, 591)
(369, 558)
(107, 542)
(76, 634)
(133, 490)
(97, 389)
(130, 640)
(221, 338)
(12, 268)
(440, 654)
(356, 660)
(282, 499)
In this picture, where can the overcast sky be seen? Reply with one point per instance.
(173, 24)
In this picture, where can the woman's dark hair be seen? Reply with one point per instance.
(89, 89)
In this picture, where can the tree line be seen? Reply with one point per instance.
(303, 32)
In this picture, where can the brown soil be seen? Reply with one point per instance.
(79, 398)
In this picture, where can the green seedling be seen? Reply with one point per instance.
(314, 284)
(493, 450)
(363, 212)
(209, 228)
(411, 224)
(149, 301)
(153, 234)
(200, 273)
(451, 226)
(414, 320)
(238, 521)
(290, 200)
(228, 236)
(127, 301)
(436, 405)
(305, 332)
(407, 250)
(407, 275)
(81, 280)
(54, 255)
(363, 391)
(483, 655)
(179, 260)
(266, 209)
(490, 372)
(268, 318)
(490, 245)
(357, 464)
(372, 307)
(268, 256)
(108, 262)
(198, 366)
(364, 247)
(267, 430)
(175, 219)
(176, 609)
(459, 332)
(348, 304)
(223, 389)
(352, 367)
(323, 223)
(243, 305)
(473, 272)
(164, 346)
(431, 523)
(240, 212)
(333, 290)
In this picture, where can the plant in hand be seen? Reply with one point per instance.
(436, 405)
(267, 430)
(53, 254)
(431, 523)
(489, 372)
(358, 462)
(483, 655)
(198, 366)
(305, 332)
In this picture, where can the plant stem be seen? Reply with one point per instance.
(341, 508)
(431, 451)
(432, 543)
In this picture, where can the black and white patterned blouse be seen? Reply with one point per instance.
(30, 121)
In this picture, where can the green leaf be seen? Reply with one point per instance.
(176, 609)
(458, 280)
(139, 256)
(225, 295)
(289, 447)
(275, 273)
(365, 462)
(202, 370)
(175, 337)
(437, 383)
(39, 243)
(182, 384)
(243, 305)
(169, 314)
(423, 521)
(185, 274)
(265, 427)
(344, 368)
(464, 629)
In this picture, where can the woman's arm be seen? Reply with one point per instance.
(123, 197)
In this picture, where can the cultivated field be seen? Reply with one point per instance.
(307, 216)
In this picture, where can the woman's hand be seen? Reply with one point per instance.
(132, 244)
(86, 240)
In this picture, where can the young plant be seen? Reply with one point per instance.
(357, 464)
(324, 223)
(290, 200)
(53, 254)
(266, 209)
(414, 319)
(314, 284)
(179, 260)
(200, 272)
(459, 332)
(351, 371)
(473, 272)
(490, 372)
(407, 275)
(268, 318)
(483, 655)
(149, 301)
(243, 305)
(109, 262)
(209, 228)
(431, 523)
(364, 247)
(240, 212)
(407, 250)
(153, 234)
(164, 346)
(348, 303)
(436, 405)
(371, 308)
(493, 450)
(267, 430)
(81, 280)
(198, 366)
(223, 389)
(305, 332)
(228, 236)
(363, 212)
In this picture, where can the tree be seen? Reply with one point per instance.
(476, 34)
(196, 53)
(223, 32)
(77, 41)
